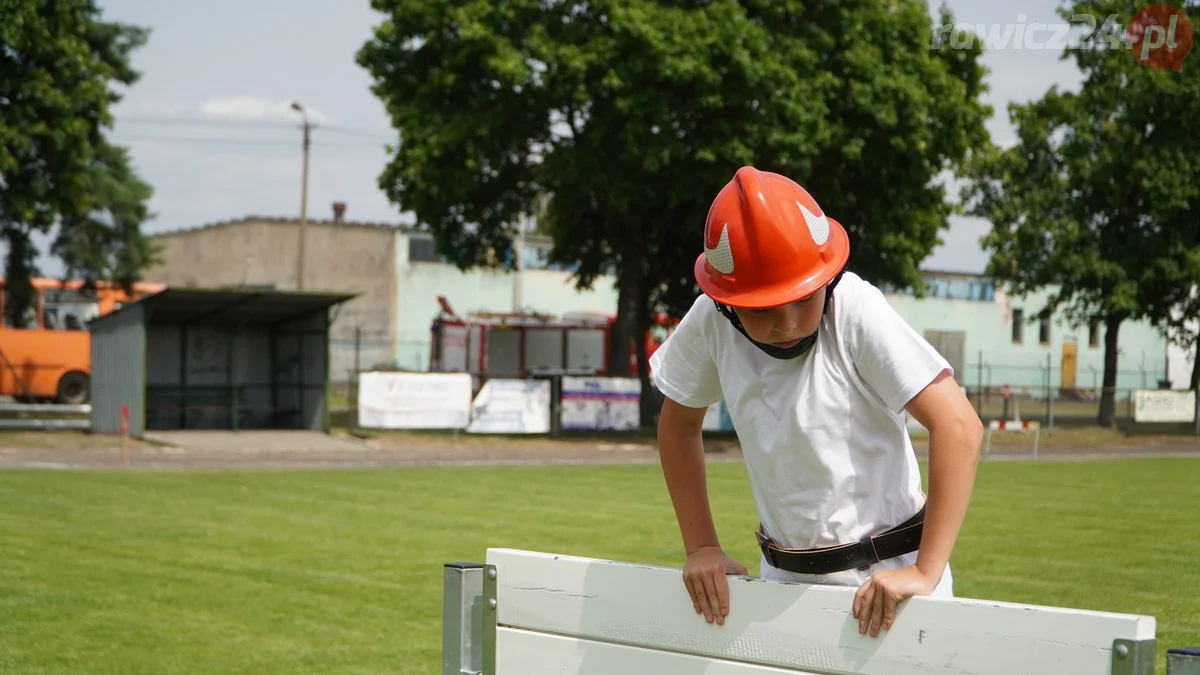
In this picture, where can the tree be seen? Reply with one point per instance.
(107, 242)
(57, 62)
(1098, 195)
(629, 116)
(1180, 303)
(1188, 337)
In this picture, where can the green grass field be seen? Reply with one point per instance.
(340, 572)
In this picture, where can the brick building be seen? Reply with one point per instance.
(340, 255)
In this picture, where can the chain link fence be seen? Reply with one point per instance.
(1043, 392)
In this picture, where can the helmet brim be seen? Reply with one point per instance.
(724, 288)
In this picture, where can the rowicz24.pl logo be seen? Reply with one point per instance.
(1158, 35)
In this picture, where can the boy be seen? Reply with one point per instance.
(816, 370)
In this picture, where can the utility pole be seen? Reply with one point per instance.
(303, 196)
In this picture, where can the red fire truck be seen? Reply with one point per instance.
(522, 345)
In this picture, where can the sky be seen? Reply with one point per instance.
(211, 128)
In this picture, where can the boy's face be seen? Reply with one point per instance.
(784, 325)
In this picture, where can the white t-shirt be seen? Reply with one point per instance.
(823, 435)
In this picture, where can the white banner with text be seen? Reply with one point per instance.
(414, 400)
(601, 403)
(1164, 405)
(511, 407)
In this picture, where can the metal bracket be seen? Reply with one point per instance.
(462, 614)
(1183, 661)
(490, 619)
(1134, 657)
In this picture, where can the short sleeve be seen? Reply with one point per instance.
(683, 367)
(894, 360)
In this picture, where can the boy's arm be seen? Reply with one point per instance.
(681, 452)
(955, 436)
(685, 371)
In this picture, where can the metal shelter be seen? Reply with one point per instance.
(228, 359)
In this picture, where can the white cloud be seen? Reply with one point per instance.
(243, 108)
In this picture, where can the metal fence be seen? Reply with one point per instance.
(1036, 390)
(1053, 390)
(45, 416)
(364, 352)
(1066, 408)
(984, 373)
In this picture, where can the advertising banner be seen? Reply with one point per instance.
(511, 407)
(414, 400)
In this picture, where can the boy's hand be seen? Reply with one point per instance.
(704, 575)
(875, 602)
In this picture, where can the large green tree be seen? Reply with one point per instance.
(622, 119)
(59, 62)
(107, 242)
(1099, 194)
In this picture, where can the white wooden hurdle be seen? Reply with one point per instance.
(531, 613)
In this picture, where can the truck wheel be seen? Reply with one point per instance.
(73, 388)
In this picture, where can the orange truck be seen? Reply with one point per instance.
(47, 356)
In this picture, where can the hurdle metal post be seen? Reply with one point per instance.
(1183, 661)
(462, 618)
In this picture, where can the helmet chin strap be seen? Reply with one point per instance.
(795, 351)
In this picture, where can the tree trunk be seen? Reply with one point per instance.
(19, 294)
(1108, 400)
(629, 289)
(633, 321)
(642, 324)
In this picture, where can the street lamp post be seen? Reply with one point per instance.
(303, 196)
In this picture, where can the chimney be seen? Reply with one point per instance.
(339, 212)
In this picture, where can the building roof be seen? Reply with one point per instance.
(531, 239)
(245, 306)
(258, 220)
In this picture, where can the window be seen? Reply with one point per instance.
(1094, 333)
(537, 257)
(422, 249)
(534, 257)
(1018, 325)
(952, 288)
(68, 310)
(1044, 330)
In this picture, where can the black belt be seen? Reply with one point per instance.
(904, 538)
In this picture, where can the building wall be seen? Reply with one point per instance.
(988, 339)
(420, 282)
(118, 346)
(344, 257)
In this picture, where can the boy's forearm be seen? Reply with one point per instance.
(953, 458)
(682, 457)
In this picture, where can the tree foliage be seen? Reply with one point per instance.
(1098, 196)
(622, 120)
(107, 242)
(58, 60)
